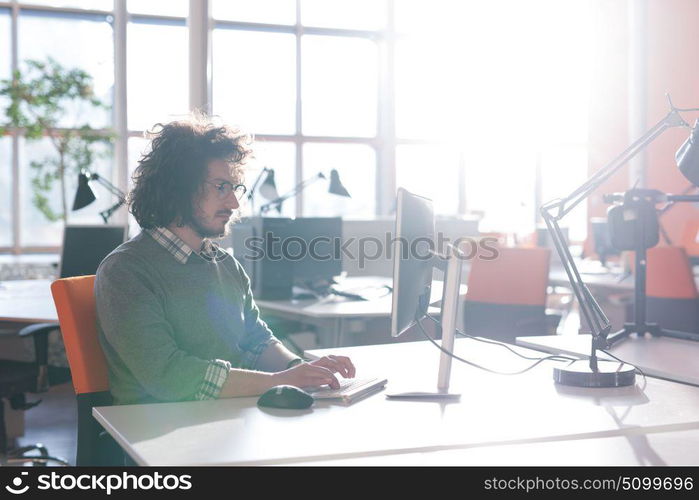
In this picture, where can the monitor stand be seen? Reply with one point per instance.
(450, 263)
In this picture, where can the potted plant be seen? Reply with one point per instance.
(48, 100)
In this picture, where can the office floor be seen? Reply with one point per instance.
(53, 422)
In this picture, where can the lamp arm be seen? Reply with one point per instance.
(296, 190)
(590, 309)
(109, 186)
(565, 205)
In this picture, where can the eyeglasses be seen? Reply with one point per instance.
(225, 188)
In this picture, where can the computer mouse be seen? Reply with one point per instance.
(287, 397)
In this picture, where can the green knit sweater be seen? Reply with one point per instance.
(163, 323)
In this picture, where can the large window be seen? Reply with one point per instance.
(481, 106)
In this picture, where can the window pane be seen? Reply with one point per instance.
(106, 5)
(564, 169)
(85, 43)
(428, 90)
(500, 182)
(158, 87)
(36, 229)
(431, 171)
(255, 11)
(175, 8)
(339, 86)
(254, 82)
(356, 165)
(280, 156)
(5, 54)
(351, 14)
(5, 192)
(413, 17)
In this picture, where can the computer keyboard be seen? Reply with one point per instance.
(351, 389)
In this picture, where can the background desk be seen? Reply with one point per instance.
(669, 358)
(496, 414)
(332, 315)
(606, 282)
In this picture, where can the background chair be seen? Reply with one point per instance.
(75, 303)
(16, 379)
(672, 299)
(506, 296)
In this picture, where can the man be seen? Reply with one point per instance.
(175, 314)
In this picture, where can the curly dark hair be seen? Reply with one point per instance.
(171, 174)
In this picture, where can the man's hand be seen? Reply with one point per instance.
(306, 375)
(336, 364)
(317, 373)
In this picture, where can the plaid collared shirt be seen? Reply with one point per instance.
(181, 251)
(217, 371)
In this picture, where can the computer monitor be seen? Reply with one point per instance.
(84, 247)
(412, 275)
(414, 257)
(318, 261)
(278, 252)
(602, 239)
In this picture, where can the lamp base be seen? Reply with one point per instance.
(608, 374)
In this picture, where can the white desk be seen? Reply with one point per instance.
(496, 413)
(27, 301)
(633, 448)
(331, 313)
(668, 358)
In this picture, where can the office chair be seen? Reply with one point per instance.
(672, 300)
(506, 296)
(690, 240)
(75, 304)
(16, 379)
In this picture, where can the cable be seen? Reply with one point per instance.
(485, 341)
(505, 346)
(470, 363)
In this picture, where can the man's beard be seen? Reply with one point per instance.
(205, 232)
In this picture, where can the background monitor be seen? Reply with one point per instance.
(319, 262)
(84, 247)
(602, 239)
(413, 242)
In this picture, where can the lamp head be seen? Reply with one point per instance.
(336, 186)
(84, 195)
(268, 188)
(687, 156)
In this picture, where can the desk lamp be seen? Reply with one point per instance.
(595, 372)
(268, 188)
(335, 187)
(84, 194)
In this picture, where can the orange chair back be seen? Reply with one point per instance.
(517, 276)
(690, 237)
(669, 274)
(75, 304)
